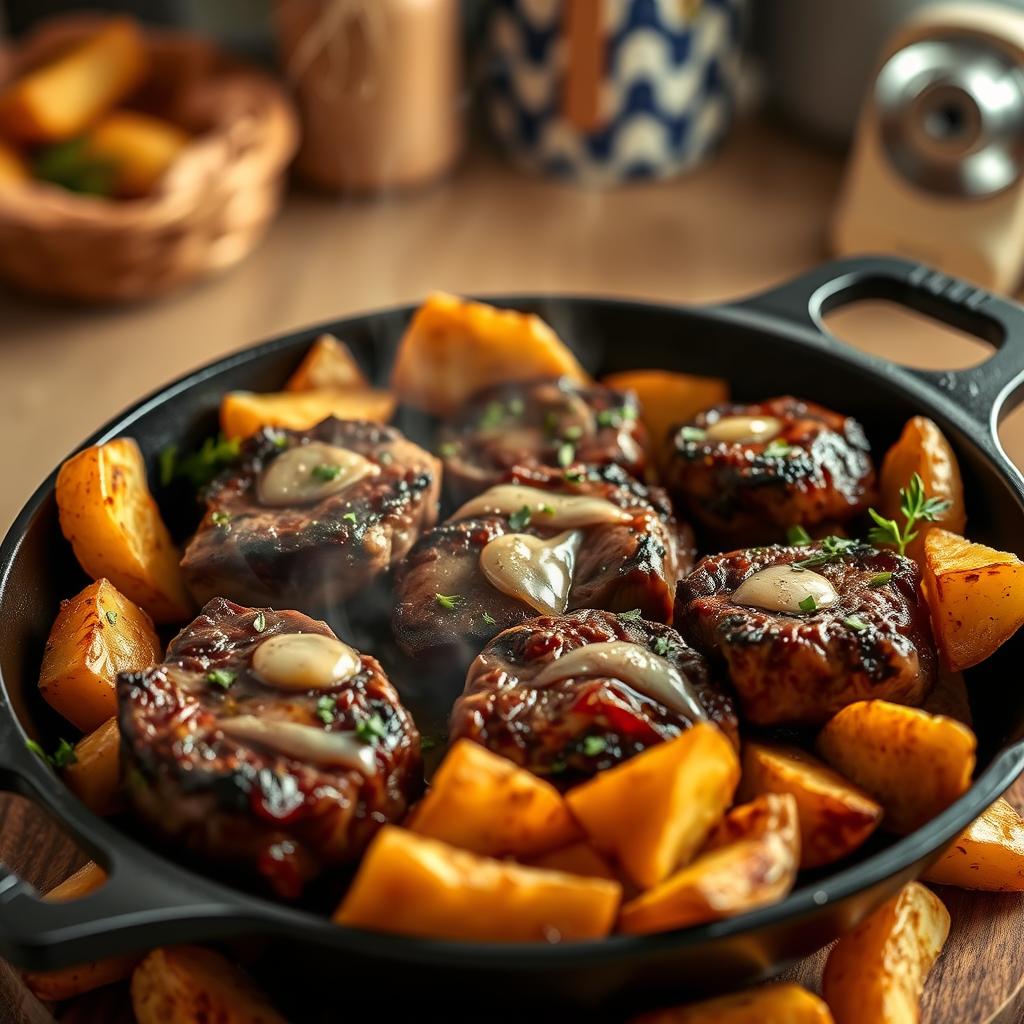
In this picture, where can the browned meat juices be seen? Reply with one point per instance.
(804, 631)
(263, 742)
(309, 518)
(540, 423)
(747, 472)
(567, 696)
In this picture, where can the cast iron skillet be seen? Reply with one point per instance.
(771, 344)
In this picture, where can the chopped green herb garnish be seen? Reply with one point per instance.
(661, 646)
(616, 417)
(73, 166)
(448, 601)
(278, 440)
(692, 434)
(592, 746)
(808, 604)
(777, 449)
(832, 550)
(631, 616)
(547, 510)
(575, 476)
(447, 450)
(371, 729)
(489, 619)
(572, 433)
(493, 416)
(111, 617)
(430, 742)
(558, 767)
(856, 624)
(916, 507)
(798, 537)
(350, 517)
(200, 467)
(880, 579)
(222, 677)
(551, 423)
(221, 519)
(260, 622)
(325, 708)
(326, 471)
(521, 518)
(61, 757)
(515, 407)
(167, 460)
(566, 453)
(37, 749)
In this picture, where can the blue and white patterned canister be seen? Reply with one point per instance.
(663, 78)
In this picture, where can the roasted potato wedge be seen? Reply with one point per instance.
(668, 399)
(95, 775)
(835, 816)
(750, 861)
(138, 147)
(576, 859)
(416, 886)
(987, 855)
(454, 347)
(54, 986)
(652, 813)
(88, 878)
(115, 529)
(97, 634)
(484, 803)
(975, 594)
(62, 98)
(243, 412)
(186, 984)
(783, 1003)
(329, 363)
(923, 449)
(877, 972)
(913, 763)
(14, 171)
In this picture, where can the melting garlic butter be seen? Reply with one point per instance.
(548, 509)
(310, 472)
(641, 669)
(744, 429)
(781, 588)
(531, 569)
(303, 742)
(304, 661)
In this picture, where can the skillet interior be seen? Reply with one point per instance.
(150, 901)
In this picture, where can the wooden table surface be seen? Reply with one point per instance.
(754, 216)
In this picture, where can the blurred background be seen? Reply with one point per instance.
(180, 178)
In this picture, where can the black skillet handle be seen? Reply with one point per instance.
(980, 391)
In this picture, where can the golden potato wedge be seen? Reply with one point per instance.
(988, 854)
(96, 634)
(576, 859)
(416, 886)
(652, 813)
(115, 529)
(243, 412)
(453, 348)
(75, 981)
(88, 878)
(14, 171)
(62, 98)
(923, 449)
(835, 816)
(186, 984)
(138, 147)
(95, 775)
(484, 803)
(913, 763)
(751, 860)
(784, 1003)
(975, 595)
(668, 399)
(877, 972)
(329, 363)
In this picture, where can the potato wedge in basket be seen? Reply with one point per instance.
(877, 972)
(913, 763)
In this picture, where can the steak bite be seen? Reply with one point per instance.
(263, 742)
(309, 518)
(748, 472)
(804, 631)
(545, 422)
(543, 542)
(571, 695)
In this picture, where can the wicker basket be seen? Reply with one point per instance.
(207, 213)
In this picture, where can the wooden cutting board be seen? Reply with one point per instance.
(976, 981)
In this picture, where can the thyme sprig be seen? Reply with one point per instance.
(916, 507)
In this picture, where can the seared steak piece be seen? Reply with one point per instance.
(804, 631)
(263, 742)
(309, 518)
(546, 422)
(570, 695)
(453, 592)
(747, 472)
